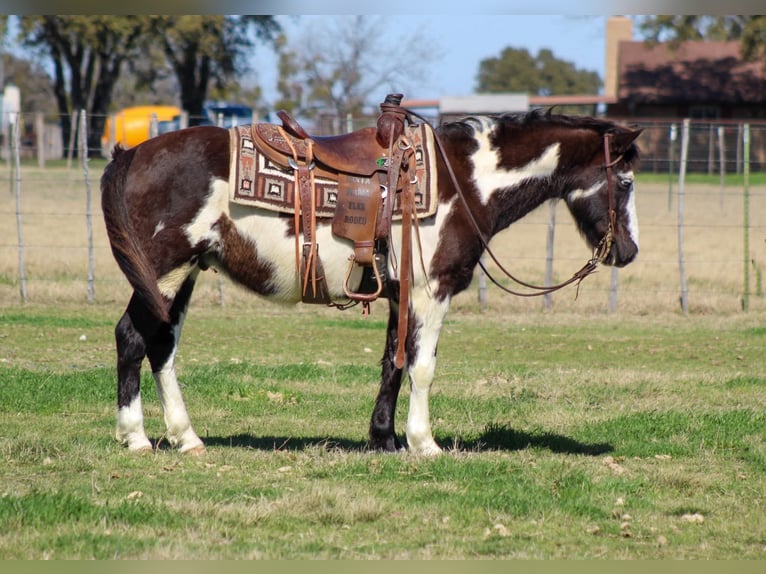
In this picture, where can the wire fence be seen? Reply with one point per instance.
(701, 197)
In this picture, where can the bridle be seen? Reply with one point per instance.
(599, 255)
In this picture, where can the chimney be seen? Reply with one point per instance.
(618, 29)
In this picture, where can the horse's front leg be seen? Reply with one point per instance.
(426, 319)
(382, 431)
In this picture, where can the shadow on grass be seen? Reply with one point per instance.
(493, 438)
(496, 437)
(285, 442)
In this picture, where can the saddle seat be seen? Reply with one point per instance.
(356, 153)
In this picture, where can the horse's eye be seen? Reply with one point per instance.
(625, 183)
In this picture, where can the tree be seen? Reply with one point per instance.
(87, 53)
(516, 70)
(749, 30)
(342, 65)
(205, 50)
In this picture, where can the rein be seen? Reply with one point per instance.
(599, 253)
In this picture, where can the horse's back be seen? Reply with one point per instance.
(182, 153)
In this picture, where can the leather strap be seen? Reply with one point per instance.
(405, 270)
(308, 264)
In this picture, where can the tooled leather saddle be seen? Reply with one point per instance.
(361, 180)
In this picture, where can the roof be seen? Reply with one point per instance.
(486, 104)
(695, 71)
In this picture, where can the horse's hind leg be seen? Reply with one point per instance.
(161, 353)
(131, 334)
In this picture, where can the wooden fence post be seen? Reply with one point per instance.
(40, 138)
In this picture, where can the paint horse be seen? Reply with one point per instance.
(168, 215)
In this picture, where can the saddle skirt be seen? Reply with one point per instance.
(261, 175)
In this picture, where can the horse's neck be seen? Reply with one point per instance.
(515, 203)
(504, 195)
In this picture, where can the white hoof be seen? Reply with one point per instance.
(429, 448)
(135, 442)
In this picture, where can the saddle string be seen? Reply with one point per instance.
(599, 254)
(296, 204)
(305, 189)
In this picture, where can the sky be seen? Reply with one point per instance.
(463, 31)
(463, 40)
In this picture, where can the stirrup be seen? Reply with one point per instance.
(365, 297)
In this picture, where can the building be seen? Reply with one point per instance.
(703, 80)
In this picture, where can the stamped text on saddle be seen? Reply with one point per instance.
(361, 181)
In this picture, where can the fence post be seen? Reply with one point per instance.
(721, 162)
(88, 216)
(548, 298)
(739, 149)
(681, 179)
(613, 283)
(16, 148)
(72, 132)
(154, 126)
(746, 194)
(671, 157)
(40, 138)
(482, 284)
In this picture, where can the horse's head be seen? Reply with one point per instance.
(601, 197)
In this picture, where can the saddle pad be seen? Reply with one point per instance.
(257, 181)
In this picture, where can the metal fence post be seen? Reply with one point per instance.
(16, 146)
(746, 226)
(681, 180)
(88, 215)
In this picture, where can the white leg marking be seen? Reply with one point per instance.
(180, 433)
(421, 371)
(130, 426)
(489, 178)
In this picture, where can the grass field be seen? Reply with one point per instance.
(575, 433)
(565, 438)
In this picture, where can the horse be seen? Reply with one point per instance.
(168, 216)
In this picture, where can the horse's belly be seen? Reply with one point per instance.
(272, 245)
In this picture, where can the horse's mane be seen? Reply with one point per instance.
(538, 117)
(533, 118)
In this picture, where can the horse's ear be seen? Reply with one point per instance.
(622, 140)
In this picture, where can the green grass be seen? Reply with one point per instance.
(565, 436)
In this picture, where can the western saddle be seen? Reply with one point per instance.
(372, 165)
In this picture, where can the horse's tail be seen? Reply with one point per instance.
(127, 251)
